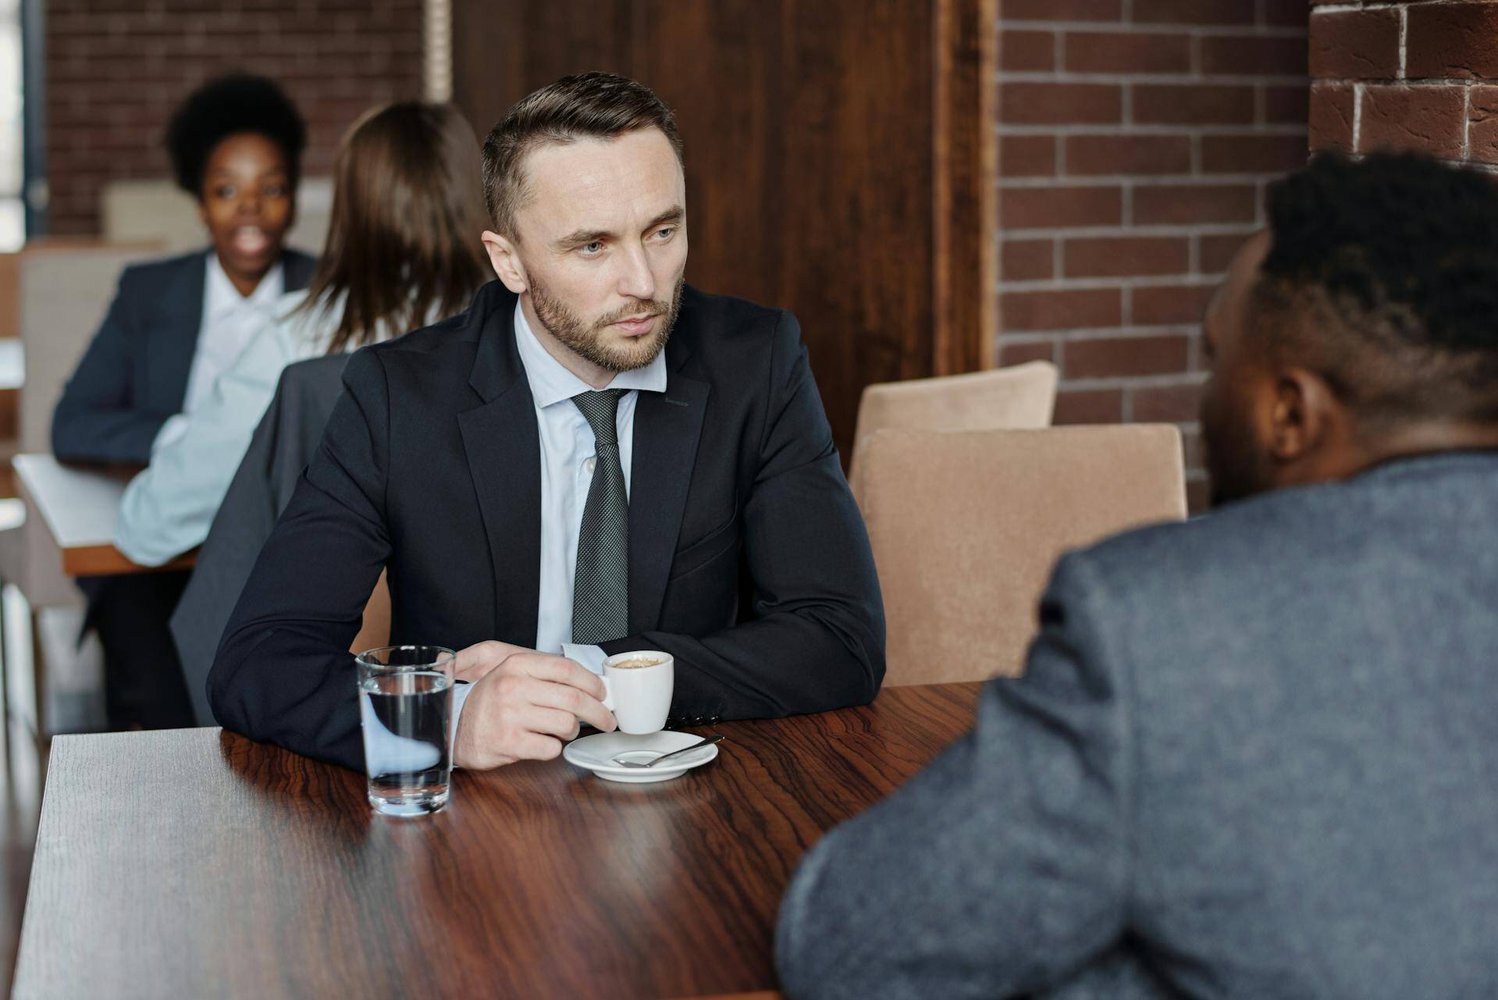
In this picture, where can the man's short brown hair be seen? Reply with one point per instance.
(589, 105)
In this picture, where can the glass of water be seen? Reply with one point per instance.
(406, 712)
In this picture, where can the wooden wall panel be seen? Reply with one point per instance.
(839, 157)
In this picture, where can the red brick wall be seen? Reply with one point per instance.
(116, 69)
(1406, 75)
(1136, 138)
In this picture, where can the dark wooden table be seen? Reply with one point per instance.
(195, 863)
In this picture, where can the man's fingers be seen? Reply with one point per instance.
(576, 703)
(476, 661)
(535, 746)
(552, 722)
(558, 670)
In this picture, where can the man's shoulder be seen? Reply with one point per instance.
(725, 320)
(1433, 496)
(1289, 567)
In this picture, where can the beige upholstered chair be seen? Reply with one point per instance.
(966, 526)
(65, 291)
(1017, 398)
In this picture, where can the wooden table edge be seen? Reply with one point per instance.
(105, 559)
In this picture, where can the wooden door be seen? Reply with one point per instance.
(839, 157)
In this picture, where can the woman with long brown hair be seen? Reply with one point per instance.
(403, 252)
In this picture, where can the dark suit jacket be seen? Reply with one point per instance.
(1253, 755)
(134, 374)
(748, 558)
(283, 444)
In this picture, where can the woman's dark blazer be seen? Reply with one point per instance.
(134, 374)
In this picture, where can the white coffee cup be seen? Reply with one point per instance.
(639, 686)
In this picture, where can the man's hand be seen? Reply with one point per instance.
(524, 705)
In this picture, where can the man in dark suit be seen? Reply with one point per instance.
(1254, 754)
(547, 474)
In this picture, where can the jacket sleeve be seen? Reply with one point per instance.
(1001, 869)
(283, 673)
(168, 507)
(815, 640)
(99, 417)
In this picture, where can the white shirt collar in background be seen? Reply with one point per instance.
(230, 321)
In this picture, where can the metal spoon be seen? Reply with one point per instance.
(705, 741)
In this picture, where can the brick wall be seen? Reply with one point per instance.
(116, 69)
(1407, 76)
(1136, 138)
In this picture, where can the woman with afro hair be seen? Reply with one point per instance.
(174, 325)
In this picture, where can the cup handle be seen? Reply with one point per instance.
(608, 693)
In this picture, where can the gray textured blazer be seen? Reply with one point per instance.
(1254, 755)
(281, 448)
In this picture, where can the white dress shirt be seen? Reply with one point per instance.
(230, 321)
(568, 455)
(569, 452)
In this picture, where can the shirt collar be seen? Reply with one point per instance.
(552, 383)
(220, 297)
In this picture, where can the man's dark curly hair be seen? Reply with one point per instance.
(231, 105)
(1382, 274)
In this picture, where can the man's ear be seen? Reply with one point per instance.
(1305, 417)
(505, 260)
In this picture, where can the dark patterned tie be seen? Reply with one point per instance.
(600, 587)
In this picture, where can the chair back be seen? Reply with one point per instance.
(967, 525)
(64, 290)
(1017, 398)
(156, 209)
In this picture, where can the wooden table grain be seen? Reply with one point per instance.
(195, 863)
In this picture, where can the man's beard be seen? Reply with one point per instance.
(587, 341)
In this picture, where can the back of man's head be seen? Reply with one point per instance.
(1363, 326)
(1393, 263)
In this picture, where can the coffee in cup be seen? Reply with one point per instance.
(639, 684)
(637, 662)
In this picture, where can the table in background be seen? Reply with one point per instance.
(80, 506)
(195, 863)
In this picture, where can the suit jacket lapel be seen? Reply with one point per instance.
(502, 444)
(667, 428)
(174, 339)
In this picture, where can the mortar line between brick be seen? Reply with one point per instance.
(1357, 116)
(1467, 122)
(1404, 34)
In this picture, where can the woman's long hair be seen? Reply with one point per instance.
(403, 242)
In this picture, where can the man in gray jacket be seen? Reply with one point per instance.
(1254, 754)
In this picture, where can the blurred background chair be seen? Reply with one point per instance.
(64, 290)
(967, 525)
(157, 210)
(1017, 398)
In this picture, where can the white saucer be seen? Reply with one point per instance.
(595, 752)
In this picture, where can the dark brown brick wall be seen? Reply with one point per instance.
(1136, 140)
(1406, 75)
(116, 69)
